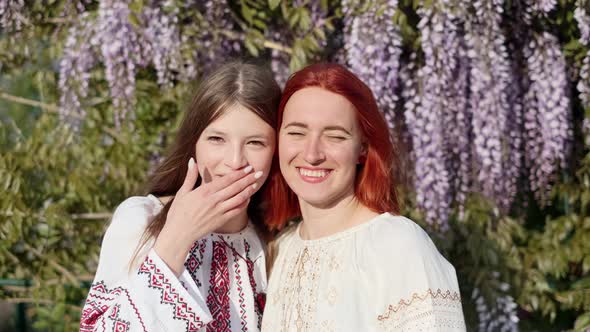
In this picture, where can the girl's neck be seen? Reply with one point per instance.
(235, 224)
(321, 222)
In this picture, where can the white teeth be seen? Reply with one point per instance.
(315, 174)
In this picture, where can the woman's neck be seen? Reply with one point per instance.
(320, 222)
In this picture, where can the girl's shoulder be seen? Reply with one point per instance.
(134, 213)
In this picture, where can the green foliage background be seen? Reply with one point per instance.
(59, 187)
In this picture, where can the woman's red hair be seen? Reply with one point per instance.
(374, 185)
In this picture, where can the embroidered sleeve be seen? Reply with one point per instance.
(150, 299)
(154, 300)
(417, 287)
(432, 310)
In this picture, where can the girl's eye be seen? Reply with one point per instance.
(337, 138)
(257, 143)
(215, 139)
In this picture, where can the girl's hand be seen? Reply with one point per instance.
(197, 212)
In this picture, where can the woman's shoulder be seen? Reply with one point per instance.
(395, 238)
(397, 230)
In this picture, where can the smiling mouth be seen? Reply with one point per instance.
(313, 175)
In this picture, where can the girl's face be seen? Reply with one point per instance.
(236, 139)
(320, 144)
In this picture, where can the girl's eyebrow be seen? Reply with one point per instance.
(257, 136)
(214, 132)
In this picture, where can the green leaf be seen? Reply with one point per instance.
(582, 322)
(273, 4)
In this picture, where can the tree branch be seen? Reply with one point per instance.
(28, 102)
(54, 109)
(54, 264)
(74, 216)
(266, 43)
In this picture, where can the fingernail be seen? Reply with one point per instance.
(258, 174)
(191, 163)
(248, 169)
(254, 186)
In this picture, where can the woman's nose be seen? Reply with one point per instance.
(314, 153)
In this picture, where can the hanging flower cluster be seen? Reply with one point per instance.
(500, 317)
(79, 57)
(373, 47)
(125, 41)
(11, 15)
(582, 16)
(547, 114)
(473, 123)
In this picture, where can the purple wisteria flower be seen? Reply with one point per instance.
(547, 113)
(582, 16)
(11, 15)
(79, 57)
(123, 50)
(373, 47)
(584, 89)
(163, 34)
(499, 316)
(439, 100)
(491, 78)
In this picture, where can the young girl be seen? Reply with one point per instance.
(352, 263)
(188, 256)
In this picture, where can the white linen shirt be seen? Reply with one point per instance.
(383, 275)
(222, 287)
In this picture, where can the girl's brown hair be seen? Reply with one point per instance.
(237, 82)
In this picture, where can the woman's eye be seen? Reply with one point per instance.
(337, 138)
(294, 133)
(215, 139)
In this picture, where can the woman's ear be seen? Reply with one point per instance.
(363, 154)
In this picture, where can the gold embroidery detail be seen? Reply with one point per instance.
(425, 312)
(332, 296)
(455, 297)
(334, 264)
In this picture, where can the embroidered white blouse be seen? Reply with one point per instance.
(222, 287)
(383, 275)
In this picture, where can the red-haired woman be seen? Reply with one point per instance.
(352, 263)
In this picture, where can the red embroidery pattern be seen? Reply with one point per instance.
(218, 298)
(98, 302)
(170, 295)
(241, 299)
(195, 260)
(259, 298)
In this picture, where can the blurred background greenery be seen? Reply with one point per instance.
(62, 173)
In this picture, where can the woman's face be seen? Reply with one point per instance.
(236, 139)
(320, 144)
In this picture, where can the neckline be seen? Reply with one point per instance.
(341, 234)
(247, 231)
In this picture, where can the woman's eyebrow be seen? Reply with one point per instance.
(296, 124)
